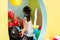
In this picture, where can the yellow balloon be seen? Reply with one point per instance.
(35, 26)
(16, 2)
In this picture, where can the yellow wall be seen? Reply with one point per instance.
(53, 18)
(3, 20)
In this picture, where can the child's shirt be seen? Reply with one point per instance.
(29, 29)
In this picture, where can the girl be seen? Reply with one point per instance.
(28, 29)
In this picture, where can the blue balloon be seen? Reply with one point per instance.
(18, 28)
(35, 31)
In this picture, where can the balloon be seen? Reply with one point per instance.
(10, 14)
(16, 2)
(37, 33)
(15, 21)
(10, 24)
(55, 39)
(18, 28)
(40, 27)
(35, 26)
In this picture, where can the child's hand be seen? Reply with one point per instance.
(21, 33)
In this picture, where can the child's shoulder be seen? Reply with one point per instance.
(25, 18)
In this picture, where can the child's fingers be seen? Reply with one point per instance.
(22, 35)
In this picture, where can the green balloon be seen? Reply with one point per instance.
(37, 34)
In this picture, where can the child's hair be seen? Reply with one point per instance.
(27, 11)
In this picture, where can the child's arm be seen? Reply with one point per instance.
(25, 26)
(19, 18)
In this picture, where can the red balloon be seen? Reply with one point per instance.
(10, 14)
(21, 25)
(40, 27)
(15, 21)
(55, 39)
(10, 24)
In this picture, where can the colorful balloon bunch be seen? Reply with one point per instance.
(37, 30)
(13, 21)
(14, 26)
